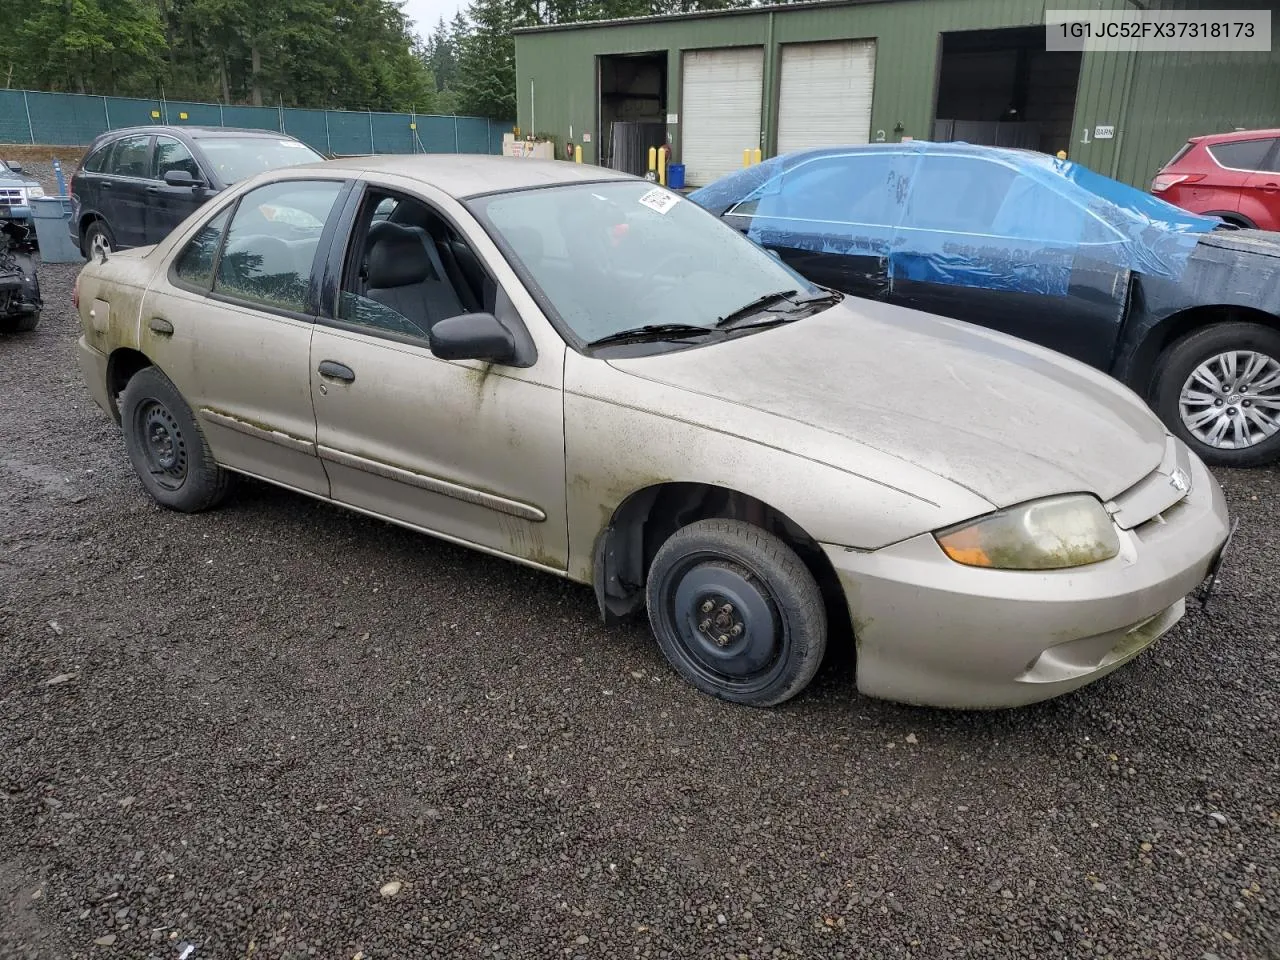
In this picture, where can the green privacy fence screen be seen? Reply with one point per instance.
(73, 119)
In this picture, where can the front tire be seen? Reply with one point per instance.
(1218, 389)
(166, 446)
(736, 612)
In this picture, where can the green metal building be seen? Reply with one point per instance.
(805, 74)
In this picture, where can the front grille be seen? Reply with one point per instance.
(11, 195)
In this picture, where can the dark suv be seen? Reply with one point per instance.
(138, 183)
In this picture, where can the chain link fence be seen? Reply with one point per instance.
(73, 119)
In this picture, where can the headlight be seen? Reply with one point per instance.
(1050, 534)
(34, 192)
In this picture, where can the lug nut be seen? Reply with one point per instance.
(705, 626)
(737, 630)
(722, 640)
(706, 606)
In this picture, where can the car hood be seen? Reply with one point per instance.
(1001, 417)
(11, 179)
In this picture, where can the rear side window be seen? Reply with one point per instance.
(1182, 152)
(131, 157)
(272, 242)
(1242, 154)
(95, 161)
(195, 263)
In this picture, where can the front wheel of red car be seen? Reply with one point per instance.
(736, 612)
(1218, 389)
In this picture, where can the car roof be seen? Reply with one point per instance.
(1212, 138)
(195, 132)
(468, 174)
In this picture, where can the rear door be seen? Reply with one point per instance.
(1260, 198)
(171, 205)
(1225, 188)
(231, 324)
(123, 189)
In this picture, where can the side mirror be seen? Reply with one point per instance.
(15, 167)
(472, 336)
(180, 178)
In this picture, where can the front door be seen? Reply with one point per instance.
(467, 450)
(171, 205)
(231, 326)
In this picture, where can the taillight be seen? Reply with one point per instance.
(1164, 181)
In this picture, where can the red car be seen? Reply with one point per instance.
(1235, 176)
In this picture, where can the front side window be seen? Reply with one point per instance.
(131, 157)
(172, 155)
(238, 158)
(620, 255)
(195, 263)
(1242, 154)
(272, 242)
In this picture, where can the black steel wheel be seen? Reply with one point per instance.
(166, 447)
(736, 612)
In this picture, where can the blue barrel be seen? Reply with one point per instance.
(675, 176)
(51, 216)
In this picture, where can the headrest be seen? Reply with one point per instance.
(397, 256)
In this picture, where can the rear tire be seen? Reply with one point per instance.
(736, 612)
(97, 236)
(166, 446)
(1186, 399)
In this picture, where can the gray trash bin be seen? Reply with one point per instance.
(52, 216)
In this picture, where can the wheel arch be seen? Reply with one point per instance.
(1141, 375)
(122, 364)
(645, 519)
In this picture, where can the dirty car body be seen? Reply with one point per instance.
(1182, 308)
(582, 372)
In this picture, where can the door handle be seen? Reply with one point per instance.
(1270, 187)
(153, 189)
(160, 326)
(333, 370)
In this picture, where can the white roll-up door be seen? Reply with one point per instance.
(824, 94)
(721, 95)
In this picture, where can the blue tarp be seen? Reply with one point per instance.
(958, 214)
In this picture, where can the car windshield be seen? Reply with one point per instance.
(238, 158)
(622, 255)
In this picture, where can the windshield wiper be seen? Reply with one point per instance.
(755, 306)
(653, 331)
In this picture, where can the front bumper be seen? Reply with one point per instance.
(934, 632)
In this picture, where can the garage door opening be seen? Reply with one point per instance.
(1002, 88)
(633, 108)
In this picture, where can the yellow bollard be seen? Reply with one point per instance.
(653, 160)
(746, 157)
(755, 155)
(577, 154)
(662, 167)
(1062, 154)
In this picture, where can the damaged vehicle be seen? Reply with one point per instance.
(20, 302)
(580, 371)
(1182, 308)
(16, 192)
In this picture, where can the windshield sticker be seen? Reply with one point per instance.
(659, 200)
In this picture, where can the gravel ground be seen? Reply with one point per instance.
(281, 730)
